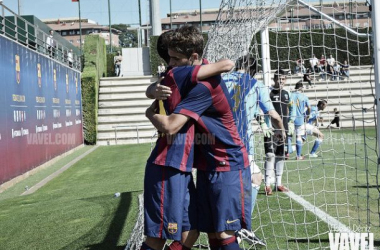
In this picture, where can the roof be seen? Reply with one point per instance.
(84, 26)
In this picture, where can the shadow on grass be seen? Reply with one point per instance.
(113, 218)
(365, 186)
(308, 240)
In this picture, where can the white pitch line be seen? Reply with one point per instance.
(331, 221)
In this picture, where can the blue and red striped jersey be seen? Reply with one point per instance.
(217, 141)
(177, 151)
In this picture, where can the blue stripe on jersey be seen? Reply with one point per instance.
(314, 114)
(247, 95)
(300, 102)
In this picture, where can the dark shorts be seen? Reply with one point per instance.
(169, 202)
(335, 121)
(272, 146)
(224, 200)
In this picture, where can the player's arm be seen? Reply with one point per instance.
(213, 69)
(158, 91)
(166, 124)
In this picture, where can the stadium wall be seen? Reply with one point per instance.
(40, 109)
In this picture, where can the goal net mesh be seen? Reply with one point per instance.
(338, 191)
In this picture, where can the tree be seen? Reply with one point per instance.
(127, 38)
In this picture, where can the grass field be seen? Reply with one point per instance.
(78, 210)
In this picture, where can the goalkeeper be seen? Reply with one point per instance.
(275, 145)
(247, 95)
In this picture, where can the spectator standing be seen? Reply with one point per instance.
(70, 58)
(161, 69)
(117, 61)
(50, 44)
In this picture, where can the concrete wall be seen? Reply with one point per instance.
(136, 62)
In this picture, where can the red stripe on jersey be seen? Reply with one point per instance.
(188, 146)
(244, 223)
(162, 150)
(162, 202)
(194, 78)
(217, 148)
(220, 103)
(175, 98)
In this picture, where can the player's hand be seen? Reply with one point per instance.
(268, 132)
(161, 92)
(291, 128)
(151, 110)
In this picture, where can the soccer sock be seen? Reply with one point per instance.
(269, 168)
(316, 145)
(229, 244)
(214, 244)
(255, 190)
(144, 246)
(299, 147)
(177, 245)
(279, 171)
(290, 149)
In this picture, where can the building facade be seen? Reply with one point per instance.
(69, 29)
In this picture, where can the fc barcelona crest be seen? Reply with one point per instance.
(67, 83)
(172, 228)
(17, 61)
(55, 78)
(39, 74)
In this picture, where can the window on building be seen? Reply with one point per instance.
(88, 31)
(64, 33)
(78, 32)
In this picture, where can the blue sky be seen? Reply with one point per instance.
(122, 11)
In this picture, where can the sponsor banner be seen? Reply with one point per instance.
(40, 109)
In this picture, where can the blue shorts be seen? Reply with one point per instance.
(169, 202)
(224, 200)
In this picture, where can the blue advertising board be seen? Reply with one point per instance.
(40, 109)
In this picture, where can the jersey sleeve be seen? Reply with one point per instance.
(265, 102)
(197, 101)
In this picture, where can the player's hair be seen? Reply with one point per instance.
(279, 72)
(321, 102)
(247, 62)
(162, 45)
(187, 40)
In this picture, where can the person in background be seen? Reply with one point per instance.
(70, 58)
(161, 69)
(345, 69)
(117, 61)
(50, 44)
(335, 120)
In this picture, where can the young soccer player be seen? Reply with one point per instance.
(223, 176)
(311, 129)
(273, 145)
(169, 192)
(300, 102)
(247, 95)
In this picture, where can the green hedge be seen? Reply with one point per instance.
(110, 65)
(94, 68)
(287, 47)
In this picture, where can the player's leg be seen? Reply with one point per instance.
(269, 164)
(300, 131)
(279, 168)
(165, 191)
(189, 225)
(221, 210)
(289, 139)
(318, 140)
